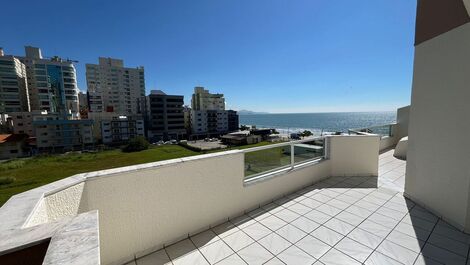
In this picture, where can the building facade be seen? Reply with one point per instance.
(164, 116)
(203, 100)
(52, 83)
(14, 95)
(113, 87)
(208, 115)
(233, 121)
(121, 129)
(54, 133)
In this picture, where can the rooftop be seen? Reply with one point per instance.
(340, 220)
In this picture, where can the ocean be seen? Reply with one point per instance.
(318, 122)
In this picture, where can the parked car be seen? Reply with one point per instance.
(173, 142)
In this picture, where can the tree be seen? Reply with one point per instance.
(136, 144)
(306, 133)
(244, 128)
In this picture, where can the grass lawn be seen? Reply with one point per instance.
(37, 171)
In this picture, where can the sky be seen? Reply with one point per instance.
(276, 56)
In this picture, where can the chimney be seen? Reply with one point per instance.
(1, 52)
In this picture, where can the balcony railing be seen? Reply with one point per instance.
(264, 160)
(382, 130)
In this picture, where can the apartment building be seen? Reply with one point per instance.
(54, 133)
(121, 129)
(113, 87)
(22, 122)
(208, 114)
(14, 95)
(164, 116)
(203, 100)
(52, 82)
(233, 121)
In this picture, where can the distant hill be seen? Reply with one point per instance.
(249, 112)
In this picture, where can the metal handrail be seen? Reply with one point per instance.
(259, 148)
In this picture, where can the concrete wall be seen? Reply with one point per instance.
(354, 155)
(438, 160)
(143, 207)
(403, 120)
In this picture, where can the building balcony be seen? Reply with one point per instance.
(331, 200)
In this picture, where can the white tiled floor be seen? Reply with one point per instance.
(337, 221)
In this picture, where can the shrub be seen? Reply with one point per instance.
(6, 180)
(136, 144)
(12, 164)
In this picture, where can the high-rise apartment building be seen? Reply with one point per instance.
(14, 95)
(52, 83)
(203, 100)
(164, 116)
(208, 114)
(114, 88)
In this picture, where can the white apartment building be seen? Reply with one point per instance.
(52, 83)
(114, 88)
(208, 114)
(53, 132)
(13, 85)
(121, 129)
(203, 100)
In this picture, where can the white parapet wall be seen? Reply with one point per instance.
(144, 207)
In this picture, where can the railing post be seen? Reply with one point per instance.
(292, 159)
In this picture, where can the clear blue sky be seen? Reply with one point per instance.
(264, 55)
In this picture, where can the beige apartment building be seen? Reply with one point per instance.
(13, 85)
(113, 87)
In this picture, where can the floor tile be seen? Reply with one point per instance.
(327, 235)
(243, 221)
(233, 259)
(397, 252)
(442, 255)
(412, 231)
(274, 261)
(404, 240)
(274, 243)
(216, 252)
(317, 216)
(339, 226)
(238, 240)
(287, 215)
(354, 249)
(335, 257)
(295, 256)
(256, 231)
(193, 258)
(156, 258)
(328, 209)
(305, 224)
(311, 203)
(377, 258)
(181, 248)
(349, 218)
(448, 244)
(359, 211)
(300, 208)
(291, 233)
(313, 246)
(383, 220)
(375, 228)
(273, 222)
(365, 238)
(225, 229)
(205, 238)
(255, 254)
(339, 204)
(422, 260)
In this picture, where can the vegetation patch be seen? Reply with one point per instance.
(6, 180)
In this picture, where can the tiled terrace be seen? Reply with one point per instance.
(341, 220)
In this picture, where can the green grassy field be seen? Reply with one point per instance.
(34, 172)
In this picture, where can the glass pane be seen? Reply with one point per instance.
(266, 160)
(308, 151)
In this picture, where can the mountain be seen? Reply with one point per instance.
(249, 112)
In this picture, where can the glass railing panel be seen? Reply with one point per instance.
(266, 160)
(307, 151)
